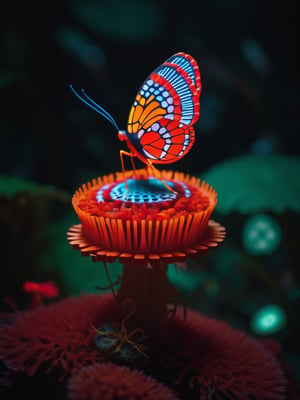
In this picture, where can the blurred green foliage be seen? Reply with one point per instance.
(25, 211)
(256, 183)
(35, 219)
(78, 274)
(11, 186)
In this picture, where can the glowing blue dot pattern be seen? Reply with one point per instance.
(261, 235)
(99, 195)
(142, 191)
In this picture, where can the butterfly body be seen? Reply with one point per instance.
(133, 145)
(160, 123)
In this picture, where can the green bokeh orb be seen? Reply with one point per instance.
(268, 320)
(261, 235)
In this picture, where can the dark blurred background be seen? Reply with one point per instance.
(51, 143)
(247, 54)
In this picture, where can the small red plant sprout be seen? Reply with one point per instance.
(40, 291)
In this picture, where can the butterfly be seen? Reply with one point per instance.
(160, 123)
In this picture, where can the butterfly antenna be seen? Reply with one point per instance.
(91, 103)
(104, 112)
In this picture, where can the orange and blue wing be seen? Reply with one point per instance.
(165, 108)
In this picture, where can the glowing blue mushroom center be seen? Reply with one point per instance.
(151, 190)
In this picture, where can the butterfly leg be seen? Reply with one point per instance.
(131, 155)
(157, 174)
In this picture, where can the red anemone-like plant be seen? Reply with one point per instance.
(198, 357)
(111, 382)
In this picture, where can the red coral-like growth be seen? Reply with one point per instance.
(221, 361)
(60, 335)
(111, 382)
(207, 355)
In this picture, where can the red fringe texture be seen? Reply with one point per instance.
(60, 335)
(222, 361)
(112, 382)
(145, 232)
(203, 198)
(204, 354)
(293, 389)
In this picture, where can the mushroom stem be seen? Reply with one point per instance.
(147, 285)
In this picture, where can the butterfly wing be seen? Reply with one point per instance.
(167, 141)
(170, 94)
(189, 65)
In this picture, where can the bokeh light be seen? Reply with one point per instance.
(268, 320)
(261, 235)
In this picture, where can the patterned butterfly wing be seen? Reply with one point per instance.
(189, 65)
(167, 104)
(167, 141)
